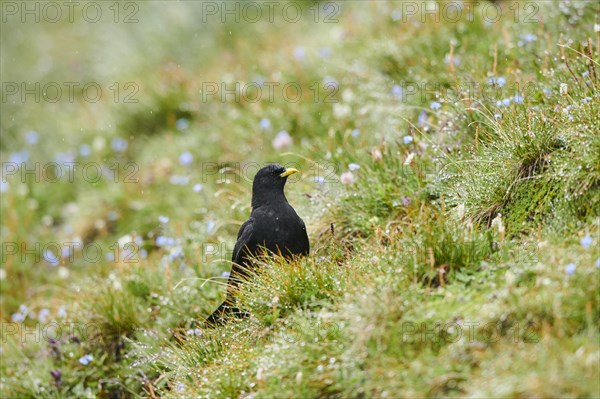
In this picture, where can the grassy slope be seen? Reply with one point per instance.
(461, 291)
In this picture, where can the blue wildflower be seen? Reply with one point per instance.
(330, 83)
(197, 187)
(506, 102)
(354, 166)
(31, 137)
(570, 269)
(164, 241)
(265, 123)
(112, 216)
(19, 156)
(355, 133)
(210, 226)
(586, 241)
(423, 118)
(179, 180)
(85, 150)
(175, 253)
(407, 139)
(435, 105)
(163, 219)
(225, 274)
(397, 91)
(50, 257)
(182, 124)
(119, 145)
(186, 158)
(86, 359)
(43, 315)
(299, 53)
(499, 81)
(325, 52)
(319, 179)
(518, 99)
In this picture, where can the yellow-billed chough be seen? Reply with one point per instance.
(273, 226)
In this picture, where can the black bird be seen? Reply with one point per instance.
(273, 226)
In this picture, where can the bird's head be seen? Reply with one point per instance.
(269, 182)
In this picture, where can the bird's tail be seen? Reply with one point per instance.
(224, 312)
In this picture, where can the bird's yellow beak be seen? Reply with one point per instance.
(288, 171)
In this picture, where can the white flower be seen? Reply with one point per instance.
(347, 178)
(282, 140)
(341, 111)
(564, 88)
(376, 154)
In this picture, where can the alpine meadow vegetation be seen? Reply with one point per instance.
(449, 179)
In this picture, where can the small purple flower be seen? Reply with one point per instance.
(506, 102)
(406, 200)
(598, 263)
(355, 133)
(186, 158)
(570, 269)
(497, 116)
(407, 139)
(435, 105)
(353, 166)
(56, 376)
(163, 219)
(586, 241)
(119, 145)
(225, 274)
(197, 187)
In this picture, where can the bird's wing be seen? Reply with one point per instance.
(243, 238)
(306, 244)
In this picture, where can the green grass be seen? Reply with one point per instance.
(456, 264)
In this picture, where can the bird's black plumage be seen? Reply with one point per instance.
(273, 226)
